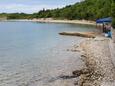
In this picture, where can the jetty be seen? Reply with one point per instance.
(81, 34)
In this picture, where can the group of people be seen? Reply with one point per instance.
(107, 30)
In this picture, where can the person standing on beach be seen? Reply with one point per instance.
(109, 28)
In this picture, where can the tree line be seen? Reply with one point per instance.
(86, 9)
(16, 15)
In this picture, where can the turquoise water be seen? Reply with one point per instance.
(31, 52)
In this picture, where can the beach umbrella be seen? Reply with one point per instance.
(104, 20)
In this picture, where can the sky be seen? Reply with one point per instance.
(31, 6)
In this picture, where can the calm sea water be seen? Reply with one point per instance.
(32, 53)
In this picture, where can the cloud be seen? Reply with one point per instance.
(30, 6)
(11, 8)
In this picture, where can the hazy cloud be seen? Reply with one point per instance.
(30, 6)
(10, 8)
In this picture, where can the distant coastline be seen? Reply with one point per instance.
(65, 21)
(50, 20)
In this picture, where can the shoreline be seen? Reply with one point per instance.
(99, 70)
(96, 55)
(49, 20)
(65, 21)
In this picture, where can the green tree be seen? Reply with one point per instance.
(113, 13)
(86, 9)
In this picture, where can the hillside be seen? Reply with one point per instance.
(86, 9)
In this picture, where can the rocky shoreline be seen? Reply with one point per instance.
(96, 54)
(99, 70)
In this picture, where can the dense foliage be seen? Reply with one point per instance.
(86, 9)
(16, 16)
(113, 12)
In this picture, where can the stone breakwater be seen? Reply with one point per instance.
(99, 70)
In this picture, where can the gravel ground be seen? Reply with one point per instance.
(98, 59)
(112, 46)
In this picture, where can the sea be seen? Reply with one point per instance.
(34, 54)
